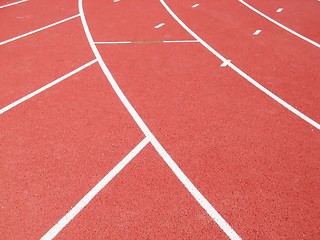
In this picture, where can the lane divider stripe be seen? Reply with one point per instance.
(240, 72)
(281, 25)
(94, 191)
(38, 30)
(45, 87)
(162, 152)
(14, 3)
(149, 41)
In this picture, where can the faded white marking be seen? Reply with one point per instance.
(196, 5)
(279, 10)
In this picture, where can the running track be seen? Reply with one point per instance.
(159, 119)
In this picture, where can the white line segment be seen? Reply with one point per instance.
(240, 72)
(257, 32)
(280, 25)
(38, 30)
(159, 25)
(156, 41)
(225, 63)
(195, 5)
(174, 167)
(49, 85)
(14, 3)
(279, 10)
(94, 191)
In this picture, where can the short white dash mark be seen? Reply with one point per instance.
(279, 10)
(225, 63)
(257, 32)
(159, 25)
(196, 5)
(116, 0)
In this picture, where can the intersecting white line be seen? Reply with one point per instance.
(38, 30)
(94, 191)
(240, 72)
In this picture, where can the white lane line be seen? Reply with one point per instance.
(180, 41)
(240, 72)
(279, 10)
(14, 3)
(156, 41)
(38, 30)
(257, 32)
(94, 191)
(159, 25)
(181, 176)
(280, 25)
(196, 5)
(225, 63)
(45, 87)
(123, 42)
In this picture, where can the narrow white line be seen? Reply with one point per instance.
(116, 0)
(180, 41)
(156, 41)
(240, 72)
(14, 3)
(38, 30)
(212, 212)
(196, 5)
(279, 10)
(94, 191)
(182, 177)
(280, 25)
(159, 25)
(123, 42)
(257, 32)
(30, 95)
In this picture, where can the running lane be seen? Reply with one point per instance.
(281, 62)
(299, 15)
(55, 147)
(252, 159)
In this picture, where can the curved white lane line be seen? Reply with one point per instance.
(281, 25)
(239, 71)
(156, 144)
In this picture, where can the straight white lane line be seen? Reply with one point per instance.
(30, 95)
(280, 25)
(240, 72)
(148, 41)
(14, 3)
(38, 30)
(181, 176)
(94, 191)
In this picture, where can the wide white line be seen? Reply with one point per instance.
(45, 87)
(94, 191)
(280, 25)
(14, 3)
(38, 30)
(240, 72)
(177, 171)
